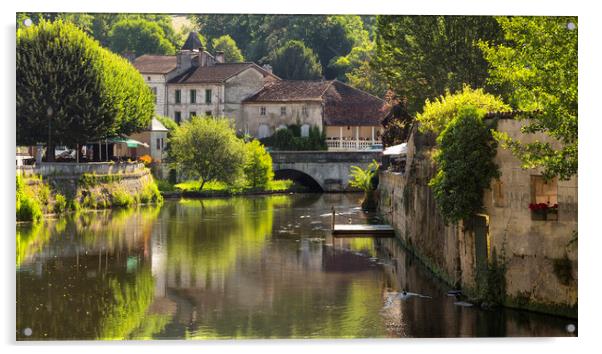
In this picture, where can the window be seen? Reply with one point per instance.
(158, 144)
(208, 113)
(305, 130)
(192, 114)
(154, 90)
(304, 111)
(207, 96)
(283, 111)
(544, 198)
(178, 117)
(192, 96)
(262, 111)
(178, 96)
(148, 78)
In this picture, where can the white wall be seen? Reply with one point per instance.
(185, 107)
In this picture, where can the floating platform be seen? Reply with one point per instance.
(351, 230)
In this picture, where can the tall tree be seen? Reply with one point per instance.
(294, 61)
(70, 90)
(139, 36)
(539, 65)
(226, 44)
(423, 56)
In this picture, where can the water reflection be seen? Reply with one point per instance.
(260, 267)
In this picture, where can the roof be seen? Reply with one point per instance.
(343, 104)
(346, 105)
(219, 72)
(291, 90)
(157, 126)
(192, 42)
(155, 64)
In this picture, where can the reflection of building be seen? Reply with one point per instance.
(194, 82)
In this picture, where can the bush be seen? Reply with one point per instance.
(258, 165)
(465, 165)
(122, 199)
(28, 208)
(165, 186)
(290, 139)
(150, 194)
(60, 203)
(364, 179)
(74, 205)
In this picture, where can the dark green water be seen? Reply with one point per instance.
(249, 267)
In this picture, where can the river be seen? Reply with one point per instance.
(243, 267)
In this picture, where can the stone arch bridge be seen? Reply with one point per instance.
(326, 171)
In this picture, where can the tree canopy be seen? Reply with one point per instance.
(423, 56)
(226, 44)
(139, 36)
(538, 63)
(207, 147)
(294, 61)
(70, 90)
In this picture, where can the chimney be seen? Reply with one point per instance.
(205, 59)
(129, 55)
(184, 58)
(219, 57)
(267, 67)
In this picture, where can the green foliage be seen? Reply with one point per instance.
(28, 206)
(122, 199)
(92, 179)
(139, 36)
(151, 194)
(165, 186)
(438, 113)
(356, 70)
(364, 178)
(226, 44)
(421, 57)
(465, 165)
(492, 289)
(60, 203)
(258, 165)
(90, 92)
(538, 65)
(208, 148)
(74, 205)
(279, 185)
(89, 202)
(294, 61)
(290, 139)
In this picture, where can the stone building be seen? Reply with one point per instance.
(538, 250)
(194, 82)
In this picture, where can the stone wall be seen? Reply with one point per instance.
(45, 169)
(274, 119)
(540, 257)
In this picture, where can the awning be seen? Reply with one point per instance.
(394, 150)
(131, 143)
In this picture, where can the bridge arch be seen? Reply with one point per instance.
(299, 177)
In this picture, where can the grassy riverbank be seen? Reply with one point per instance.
(216, 188)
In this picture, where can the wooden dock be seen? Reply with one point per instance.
(363, 230)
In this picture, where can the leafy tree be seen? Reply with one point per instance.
(438, 113)
(258, 165)
(208, 148)
(139, 36)
(465, 165)
(294, 61)
(355, 69)
(539, 64)
(72, 91)
(227, 45)
(423, 56)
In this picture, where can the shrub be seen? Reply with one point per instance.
(89, 202)
(29, 209)
(465, 165)
(258, 165)
(165, 186)
(364, 179)
(60, 203)
(74, 205)
(150, 194)
(121, 199)
(290, 139)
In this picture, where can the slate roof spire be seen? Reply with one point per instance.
(193, 42)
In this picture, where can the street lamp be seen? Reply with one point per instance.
(49, 112)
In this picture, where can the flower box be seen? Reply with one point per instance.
(543, 211)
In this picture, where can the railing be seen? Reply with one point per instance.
(338, 144)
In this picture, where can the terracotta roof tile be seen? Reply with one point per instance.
(291, 90)
(215, 73)
(346, 105)
(155, 64)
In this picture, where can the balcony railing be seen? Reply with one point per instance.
(338, 144)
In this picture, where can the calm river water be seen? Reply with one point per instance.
(245, 267)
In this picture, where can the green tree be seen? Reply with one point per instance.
(355, 69)
(72, 91)
(294, 61)
(208, 148)
(365, 179)
(139, 36)
(227, 45)
(438, 113)
(258, 165)
(465, 165)
(539, 64)
(423, 56)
